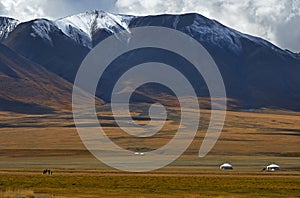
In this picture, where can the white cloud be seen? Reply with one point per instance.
(25, 10)
(21, 9)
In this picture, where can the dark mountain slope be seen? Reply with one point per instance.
(255, 72)
(42, 42)
(28, 88)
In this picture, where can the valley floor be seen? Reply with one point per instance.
(249, 141)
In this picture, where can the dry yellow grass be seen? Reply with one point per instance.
(19, 193)
(247, 138)
(155, 185)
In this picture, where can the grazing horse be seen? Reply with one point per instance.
(47, 171)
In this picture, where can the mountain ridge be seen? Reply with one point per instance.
(256, 73)
(120, 20)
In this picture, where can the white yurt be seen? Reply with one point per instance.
(139, 154)
(226, 166)
(273, 167)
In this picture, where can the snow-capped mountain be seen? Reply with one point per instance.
(81, 27)
(7, 25)
(256, 73)
(42, 42)
(42, 28)
(214, 32)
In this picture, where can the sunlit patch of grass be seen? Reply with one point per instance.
(18, 193)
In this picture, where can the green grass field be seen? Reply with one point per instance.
(156, 185)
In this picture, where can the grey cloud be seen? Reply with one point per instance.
(288, 34)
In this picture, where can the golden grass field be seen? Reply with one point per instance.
(249, 140)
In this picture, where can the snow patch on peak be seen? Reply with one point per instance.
(121, 20)
(81, 27)
(114, 24)
(7, 25)
(72, 31)
(83, 22)
(41, 28)
(213, 32)
(225, 37)
(78, 27)
(176, 21)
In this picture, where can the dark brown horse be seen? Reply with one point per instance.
(47, 171)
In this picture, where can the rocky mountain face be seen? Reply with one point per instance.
(256, 73)
(42, 42)
(7, 25)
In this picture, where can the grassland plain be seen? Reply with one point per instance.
(250, 140)
(155, 185)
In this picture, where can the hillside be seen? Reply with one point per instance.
(29, 88)
(256, 73)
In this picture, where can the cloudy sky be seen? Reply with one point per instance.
(275, 20)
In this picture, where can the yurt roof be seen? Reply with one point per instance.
(273, 166)
(226, 165)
